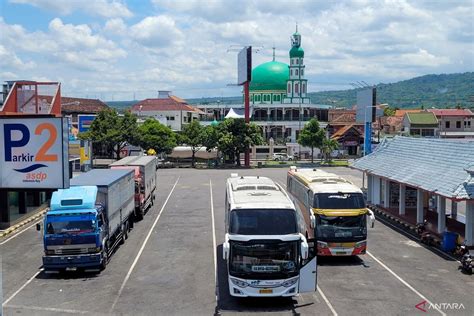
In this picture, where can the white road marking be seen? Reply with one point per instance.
(19, 233)
(327, 301)
(405, 283)
(214, 242)
(22, 287)
(141, 249)
(318, 288)
(49, 309)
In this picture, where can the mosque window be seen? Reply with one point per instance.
(304, 88)
(292, 61)
(291, 72)
(289, 87)
(302, 72)
(297, 88)
(297, 61)
(257, 98)
(251, 97)
(296, 72)
(276, 97)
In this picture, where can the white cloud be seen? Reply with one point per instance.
(9, 60)
(115, 26)
(104, 8)
(183, 45)
(156, 31)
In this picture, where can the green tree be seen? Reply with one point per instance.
(194, 136)
(329, 145)
(112, 131)
(235, 137)
(211, 137)
(154, 135)
(311, 136)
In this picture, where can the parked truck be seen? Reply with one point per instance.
(145, 180)
(86, 222)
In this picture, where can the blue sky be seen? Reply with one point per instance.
(115, 50)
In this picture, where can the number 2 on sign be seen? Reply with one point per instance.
(53, 134)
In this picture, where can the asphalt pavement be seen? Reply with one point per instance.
(172, 264)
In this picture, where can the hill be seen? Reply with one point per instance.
(439, 91)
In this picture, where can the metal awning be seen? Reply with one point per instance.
(441, 166)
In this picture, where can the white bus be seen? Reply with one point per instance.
(265, 251)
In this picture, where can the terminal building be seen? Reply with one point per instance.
(279, 102)
(416, 179)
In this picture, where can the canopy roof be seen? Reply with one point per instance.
(237, 113)
(444, 167)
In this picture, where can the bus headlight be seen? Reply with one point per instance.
(289, 283)
(239, 283)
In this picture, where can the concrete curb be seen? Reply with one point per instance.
(26, 221)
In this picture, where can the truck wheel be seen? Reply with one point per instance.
(105, 258)
(125, 232)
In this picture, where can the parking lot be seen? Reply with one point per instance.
(172, 264)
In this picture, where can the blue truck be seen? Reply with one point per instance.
(86, 222)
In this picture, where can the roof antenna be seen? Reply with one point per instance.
(296, 27)
(273, 51)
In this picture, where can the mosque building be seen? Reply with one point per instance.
(279, 103)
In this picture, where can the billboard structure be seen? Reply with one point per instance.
(34, 152)
(365, 113)
(244, 65)
(244, 76)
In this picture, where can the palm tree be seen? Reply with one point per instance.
(328, 146)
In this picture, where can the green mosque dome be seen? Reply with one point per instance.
(296, 52)
(272, 75)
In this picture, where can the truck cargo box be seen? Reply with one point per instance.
(116, 191)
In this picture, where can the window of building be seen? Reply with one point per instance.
(292, 61)
(170, 118)
(447, 124)
(251, 97)
(289, 88)
(303, 87)
(291, 72)
(297, 61)
(302, 72)
(296, 72)
(458, 124)
(276, 97)
(297, 90)
(257, 98)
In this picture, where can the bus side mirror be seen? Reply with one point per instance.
(371, 218)
(304, 248)
(312, 219)
(225, 250)
(38, 227)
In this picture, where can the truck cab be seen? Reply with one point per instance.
(73, 229)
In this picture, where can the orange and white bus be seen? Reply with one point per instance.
(335, 211)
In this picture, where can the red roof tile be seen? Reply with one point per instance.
(451, 112)
(401, 113)
(80, 105)
(171, 103)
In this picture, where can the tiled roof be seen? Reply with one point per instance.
(171, 103)
(434, 165)
(451, 112)
(79, 105)
(401, 113)
(422, 118)
(344, 130)
(344, 118)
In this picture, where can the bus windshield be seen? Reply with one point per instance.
(339, 201)
(263, 259)
(263, 222)
(343, 228)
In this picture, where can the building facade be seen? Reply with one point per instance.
(168, 110)
(455, 123)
